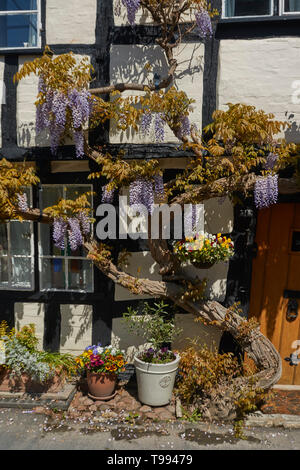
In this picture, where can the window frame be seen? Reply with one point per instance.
(282, 12)
(248, 16)
(65, 257)
(9, 256)
(38, 12)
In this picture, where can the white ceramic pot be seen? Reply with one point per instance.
(155, 381)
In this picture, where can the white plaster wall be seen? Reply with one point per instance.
(27, 92)
(261, 72)
(142, 16)
(2, 92)
(76, 328)
(128, 65)
(75, 21)
(205, 335)
(142, 265)
(218, 218)
(27, 313)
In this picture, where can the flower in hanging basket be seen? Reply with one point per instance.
(203, 251)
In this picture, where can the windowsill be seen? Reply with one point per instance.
(256, 19)
(21, 51)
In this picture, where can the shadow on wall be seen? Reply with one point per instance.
(292, 134)
(76, 325)
(130, 64)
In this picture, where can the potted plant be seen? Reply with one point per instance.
(203, 251)
(102, 366)
(156, 367)
(26, 369)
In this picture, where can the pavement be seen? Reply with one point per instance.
(27, 430)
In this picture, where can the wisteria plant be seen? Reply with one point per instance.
(239, 154)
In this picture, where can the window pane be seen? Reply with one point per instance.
(53, 274)
(46, 242)
(80, 275)
(247, 7)
(3, 272)
(51, 195)
(73, 192)
(292, 5)
(20, 238)
(18, 31)
(3, 239)
(16, 5)
(21, 273)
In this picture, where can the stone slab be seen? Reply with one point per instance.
(60, 400)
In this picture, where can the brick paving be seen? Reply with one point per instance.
(283, 402)
(123, 406)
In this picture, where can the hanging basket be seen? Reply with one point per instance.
(200, 265)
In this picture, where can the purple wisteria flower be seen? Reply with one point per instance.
(148, 195)
(146, 122)
(52, 114)
(141, 192)
(75, 235)
(266, 191)
(59, 232)
(84, 223)
(271, 161)
(159, 126)
(22, 202)
(159, 189)
(185, 129)
(107, 195)
(136, 192)
(79, 143)
(203, 21)
(132, 8)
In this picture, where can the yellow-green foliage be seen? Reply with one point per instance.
(237, 141)
(13, 179)
(202, 370)
(5, 330)
(66, 208)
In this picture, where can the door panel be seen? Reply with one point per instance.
(276, 269)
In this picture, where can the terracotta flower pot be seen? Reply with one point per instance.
(24, 383)
(101, 385)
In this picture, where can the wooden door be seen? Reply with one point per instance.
(275, 289)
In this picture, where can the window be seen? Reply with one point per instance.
(253, 8)
(242, 8)
(291, 6)
(62, 270)
(17, 254)
(19, 24)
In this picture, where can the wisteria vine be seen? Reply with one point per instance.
(266, 191)
(51, 114)
(73, 229)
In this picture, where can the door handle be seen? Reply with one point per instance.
(292, 310)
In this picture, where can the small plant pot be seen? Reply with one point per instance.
(101, 385)
(24, 383)
(155, 381)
